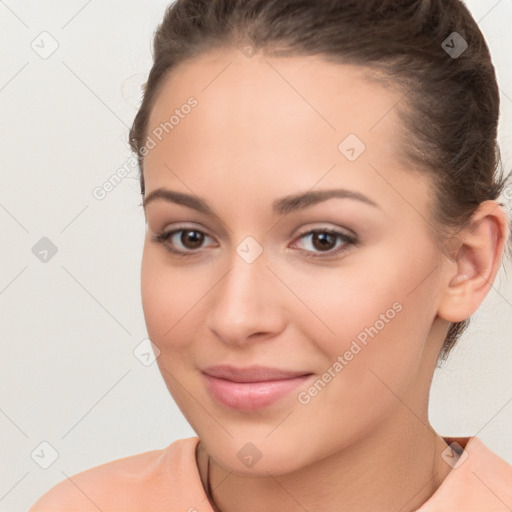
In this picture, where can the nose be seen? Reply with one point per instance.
(246, 305)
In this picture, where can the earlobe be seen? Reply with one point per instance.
(478, 261)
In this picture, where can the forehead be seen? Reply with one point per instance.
(233, 89)
(267, 120)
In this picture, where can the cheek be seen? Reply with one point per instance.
(377, 319)
(347, 303)
(373, 359)
(176, 303)
(155, 300)
(167, 294)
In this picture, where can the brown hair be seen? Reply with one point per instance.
(450, 114)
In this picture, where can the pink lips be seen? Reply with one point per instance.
(250, 388)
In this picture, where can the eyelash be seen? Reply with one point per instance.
(350, 242)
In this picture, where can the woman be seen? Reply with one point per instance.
(320, 185)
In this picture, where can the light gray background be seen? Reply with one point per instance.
(69, 326)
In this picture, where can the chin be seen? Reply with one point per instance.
(259, 457)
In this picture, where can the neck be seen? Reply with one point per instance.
(398, 468)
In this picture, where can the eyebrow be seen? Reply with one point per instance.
(281, 206)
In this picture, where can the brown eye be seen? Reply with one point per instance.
(182, 242)
(323, 241)
(191, 239)
(326, 242)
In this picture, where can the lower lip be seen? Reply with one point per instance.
(249, 396)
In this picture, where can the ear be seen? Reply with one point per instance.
(479, 255)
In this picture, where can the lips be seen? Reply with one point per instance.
(251, 373)
(251, 388)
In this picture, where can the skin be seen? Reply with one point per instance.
(265, 128)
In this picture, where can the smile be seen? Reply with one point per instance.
(250, 388)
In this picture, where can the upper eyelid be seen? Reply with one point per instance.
(321, 227)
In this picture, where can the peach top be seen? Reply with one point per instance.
(168, 480)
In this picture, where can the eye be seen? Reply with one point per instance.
(324, 243)
(190, 239)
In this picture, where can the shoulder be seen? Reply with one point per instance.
(492, 471)
(480, 480)
(116, 485)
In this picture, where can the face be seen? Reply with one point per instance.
(341, 291)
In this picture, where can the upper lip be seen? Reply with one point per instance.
(254, 373)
